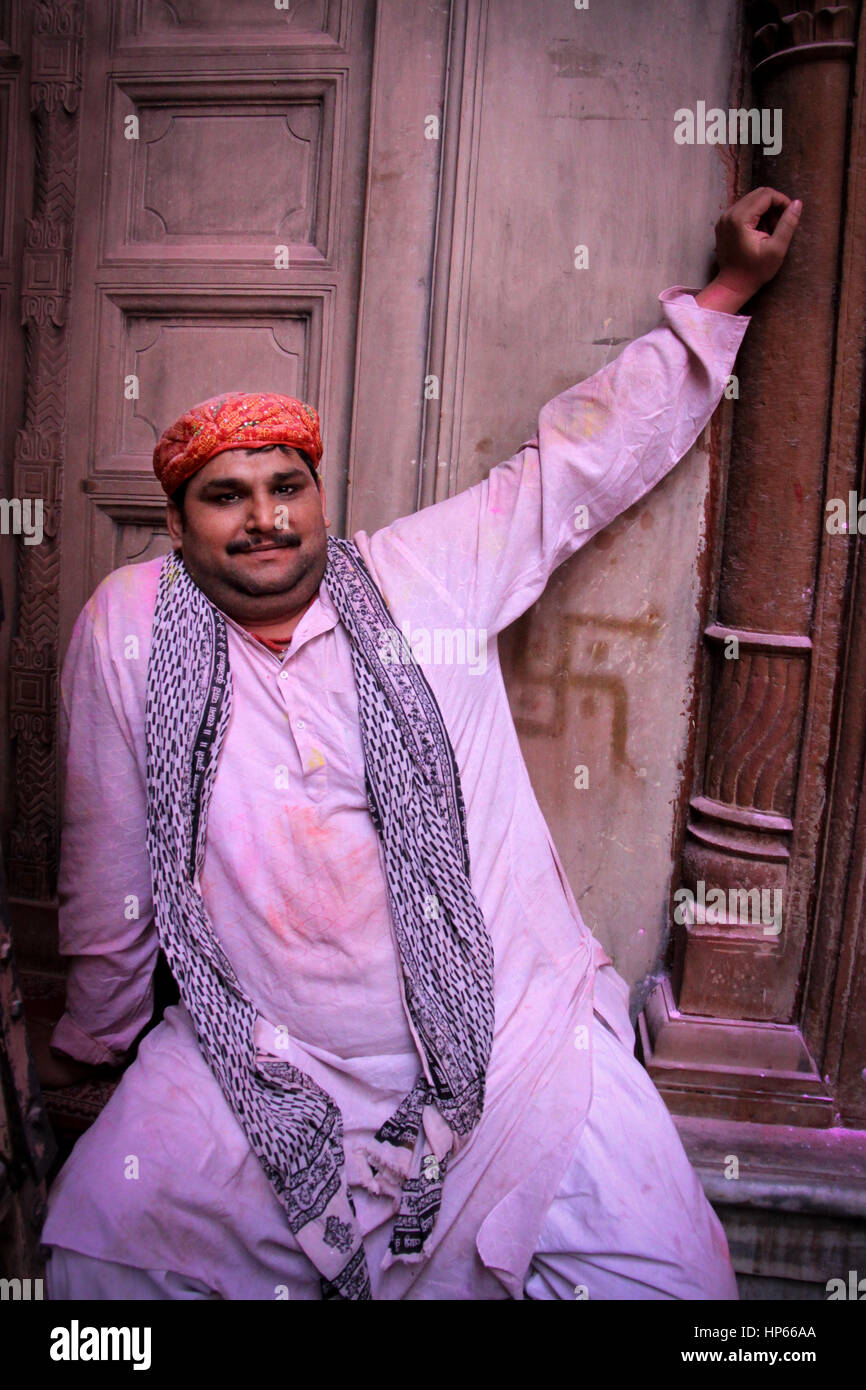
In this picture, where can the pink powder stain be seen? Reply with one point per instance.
(336, 894)
(304, 822)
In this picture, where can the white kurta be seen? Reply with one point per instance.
(294, 885)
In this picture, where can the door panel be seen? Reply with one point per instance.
(213, 21)
(224, 187)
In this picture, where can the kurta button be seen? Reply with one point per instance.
(299, 724)
(284, 675)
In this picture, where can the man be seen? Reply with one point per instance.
(402, 1067)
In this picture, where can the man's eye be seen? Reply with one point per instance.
(225, 496)
(285, 487)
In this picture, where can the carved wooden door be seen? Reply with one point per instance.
(222, 158)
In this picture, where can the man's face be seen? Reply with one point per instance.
(253, 532)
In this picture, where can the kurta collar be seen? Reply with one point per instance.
(321, 616)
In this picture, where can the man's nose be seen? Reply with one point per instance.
(260, 512)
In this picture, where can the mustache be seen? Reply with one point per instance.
(282, 539)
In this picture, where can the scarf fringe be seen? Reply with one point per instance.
(380, 1174)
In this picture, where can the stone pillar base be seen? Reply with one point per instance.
(733, 1069)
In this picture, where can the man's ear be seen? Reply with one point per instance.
(321, 487)
(174, 521)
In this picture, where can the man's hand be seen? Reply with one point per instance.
(747, 256)
(55, 1069)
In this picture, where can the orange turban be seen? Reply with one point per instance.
(239, 420)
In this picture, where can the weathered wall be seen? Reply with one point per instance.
(575, 146)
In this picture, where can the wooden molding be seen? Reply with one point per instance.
(40, 446)
(785, 34)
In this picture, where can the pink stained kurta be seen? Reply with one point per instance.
(293, 878)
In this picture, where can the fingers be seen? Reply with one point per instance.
(750, 254)
(786, 227)
(753, 205)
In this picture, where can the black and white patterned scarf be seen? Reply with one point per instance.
(414, 794)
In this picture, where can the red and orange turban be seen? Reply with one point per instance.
(239, 420)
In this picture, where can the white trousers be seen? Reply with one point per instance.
(629, 1221)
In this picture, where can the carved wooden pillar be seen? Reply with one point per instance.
(54, 87)
(720, 1038)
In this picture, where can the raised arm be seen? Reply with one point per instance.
(600, 446)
